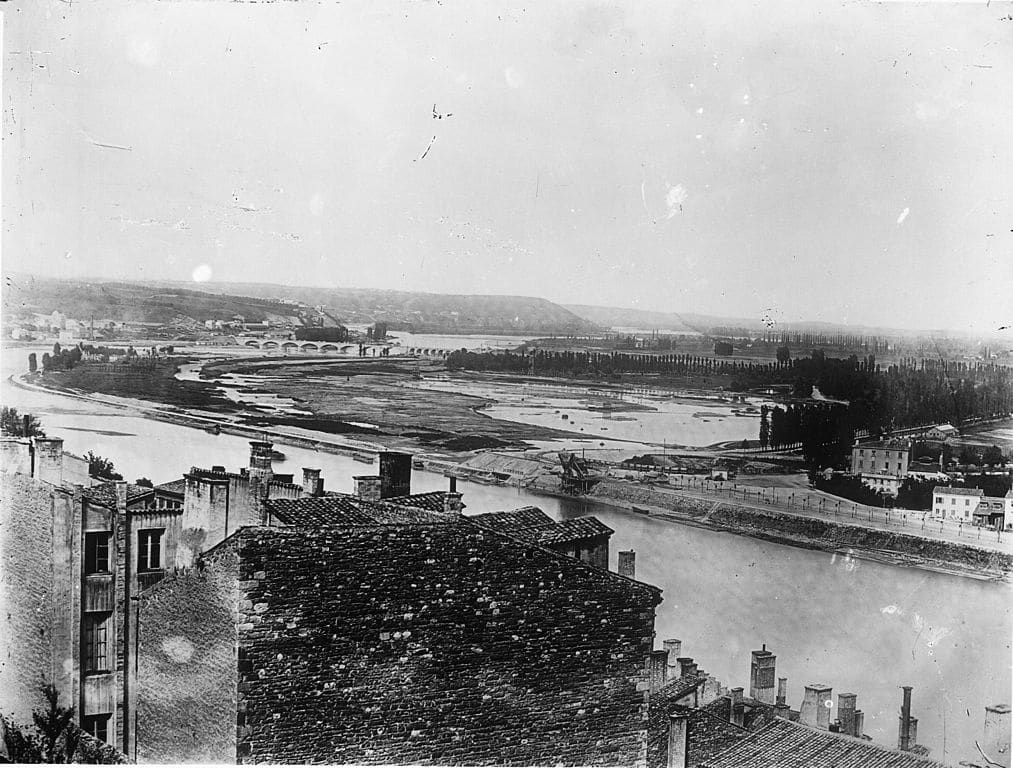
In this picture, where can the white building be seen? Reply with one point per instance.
(941, 432)
(881, 465)
(971, 505)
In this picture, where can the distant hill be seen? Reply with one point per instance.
(424, 312)
(689, 322)
(132, 302)
(166, 302)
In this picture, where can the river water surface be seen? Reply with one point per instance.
(858, 626)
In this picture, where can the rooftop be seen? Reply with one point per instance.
(343, 509)
(524, 518)
(177, 487)
(945, 489)
(784, 744)
(104, 494)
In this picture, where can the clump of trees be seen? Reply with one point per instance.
(723, 348)
(55, 738)
(102, 468)
(14, 424)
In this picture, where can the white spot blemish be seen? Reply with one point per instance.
(178, 649)
(143, 51)
(201, 273)
(903, 215)
(316, 204)
(674, 199)
(699, 111)
(513, 77)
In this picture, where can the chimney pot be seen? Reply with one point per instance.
(628, 564)
(677, 740)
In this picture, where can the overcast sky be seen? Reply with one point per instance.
(849, 162)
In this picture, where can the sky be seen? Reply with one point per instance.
(849, 162)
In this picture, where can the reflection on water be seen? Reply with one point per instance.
(855, 625)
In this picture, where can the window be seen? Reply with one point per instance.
(967, 502)
(939, 499)
(96, 552)
(860, 462)
(96, 642)
(898, 466)
(149, 549)
(97, 726)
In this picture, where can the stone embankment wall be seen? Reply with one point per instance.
(809, 532)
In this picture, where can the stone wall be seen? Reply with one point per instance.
(436, 644)
(36, 608)
(186, 677)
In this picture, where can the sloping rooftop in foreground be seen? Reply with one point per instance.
(340, 509)
(784, 744)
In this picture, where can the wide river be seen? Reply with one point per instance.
(858, 626)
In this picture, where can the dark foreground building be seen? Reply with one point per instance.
(429, 642)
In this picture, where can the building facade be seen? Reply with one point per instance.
(882, 465)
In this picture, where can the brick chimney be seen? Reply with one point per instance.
(687, 667)
(678, 732)
(628, 564)
(815, 709)
(452, 503)
(904, 740)
(674, 648)
(367, 487)
(312, 485)
(657, 669)
(846, 708)
(736, 709)
(260, 459)
(761, 675)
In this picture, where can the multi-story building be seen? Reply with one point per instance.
(83, 560)
(881, 465)
(971, 505)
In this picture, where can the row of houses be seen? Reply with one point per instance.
(244, 616)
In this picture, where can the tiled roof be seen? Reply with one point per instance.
(783, 744)
(433, 501)
(958, 491)
(104, 494)
(708, 735)
(756, 714)
(177, 487)
(676, 689)
(522, 519)
(337, 509)
(572, 530)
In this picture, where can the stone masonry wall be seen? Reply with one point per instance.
(437, 644)
(30, 656)
(186, 680)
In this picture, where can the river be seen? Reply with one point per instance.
(858, 626)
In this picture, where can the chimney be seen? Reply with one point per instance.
(311, 483)
(657, 666)
(846, 707)
(367, 487)
(47, 459)
(395, 474)
(761, 675)
(678, 727)
(781, 703)
(260, 459)
(996, 743)
(859, 724)
(628, 564)
(219, 468)
(737, 710)
(453, 483)
(674, 648)
(452, 503)
(686, 666)
(816, 703)
(904, 742)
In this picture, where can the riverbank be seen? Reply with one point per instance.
(854, 540)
